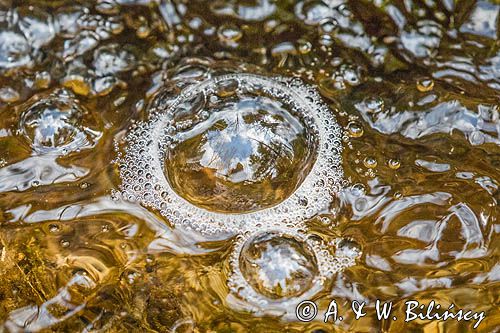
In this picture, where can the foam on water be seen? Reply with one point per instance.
(148, 145)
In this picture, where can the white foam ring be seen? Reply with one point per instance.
(144, 180)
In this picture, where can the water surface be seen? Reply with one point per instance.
(414, 85)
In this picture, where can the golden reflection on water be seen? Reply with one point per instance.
(414, 84)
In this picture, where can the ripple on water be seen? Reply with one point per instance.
(68, 262)
(437, 112)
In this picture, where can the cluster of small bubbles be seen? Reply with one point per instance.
(336, 23)
(82, 32)
(97, 26)
(341, 78)
(56, 123)
(26, 30)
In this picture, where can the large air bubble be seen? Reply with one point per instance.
(274, 269)
(259, 148)
(241, 151)
(278, 266)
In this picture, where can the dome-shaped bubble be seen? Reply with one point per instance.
(240, 152)
(56, 123)
(51, 123)
(274, 267)
(278, 266)
(250, 145)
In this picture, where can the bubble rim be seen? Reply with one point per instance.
(319, 187)
(327, 264)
